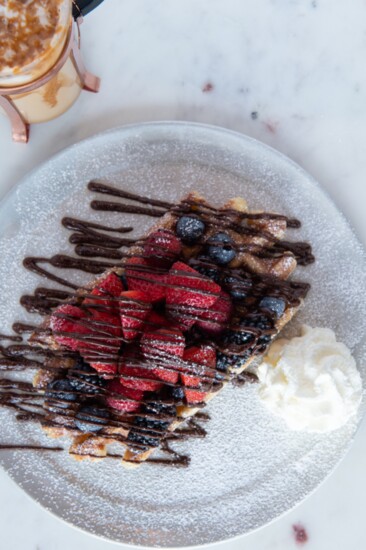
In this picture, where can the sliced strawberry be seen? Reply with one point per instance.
(182, 315)
(162, 248)
(194, 396)
(135, 375)
(100, 348)
(127, 400)
(150, 280)
(134, 307)
(68, 325)
(200, 359)
(154, 321)
(214, 320)
(164, 346)
(189, 288)
(110, 286)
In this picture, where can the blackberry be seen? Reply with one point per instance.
(189, 229)
(151, 424)
(85, 379)
(238, 337)
(221, 248)
(60, 390)
(275, 305)
(91, 418)
(158, 407)
(224, 362)
(263, 342)
(237, 287)
(158, 426)
(136, 436)
(258, 321)
(206, 267)
(178, 393)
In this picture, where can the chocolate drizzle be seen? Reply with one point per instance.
(93, 245)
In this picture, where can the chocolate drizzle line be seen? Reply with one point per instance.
(93, 244)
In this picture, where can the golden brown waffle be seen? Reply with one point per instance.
(265, 232)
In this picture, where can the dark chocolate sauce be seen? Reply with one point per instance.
(93, 244)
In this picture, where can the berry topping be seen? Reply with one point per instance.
(150, 280)
(134, 307)
(189, 288)
(226, 362)
(61, 390)
(221, 248)
(183, 316)
(110, 287)
(189, 229)
(275, 305)
(95, 334)
(68, 326)
(136, 375)
(162, 347)
(237, 335)
(154, 320)
(162, 248)
(91, 418)
(157, 416)
(201, 362)
(111, 284)
(84, 379)
(142, 441)
(213, 321)
(206, 267)
(178, 394)
(238, 287)
(258, 321)
(100, 347)
(122, 398)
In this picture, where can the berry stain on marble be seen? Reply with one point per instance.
(208, 87)
(271, 126)
(300, 534)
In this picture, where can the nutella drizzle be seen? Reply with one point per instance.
(93, 244)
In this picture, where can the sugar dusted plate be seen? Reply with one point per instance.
(250, 468)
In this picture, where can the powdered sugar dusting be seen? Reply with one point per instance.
(256, 468)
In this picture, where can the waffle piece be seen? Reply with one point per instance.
(207, 290)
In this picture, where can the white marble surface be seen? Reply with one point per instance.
(300, 66)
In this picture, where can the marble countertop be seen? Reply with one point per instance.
(291, 74)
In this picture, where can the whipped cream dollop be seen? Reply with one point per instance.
(311, 381)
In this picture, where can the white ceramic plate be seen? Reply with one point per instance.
(250, 468)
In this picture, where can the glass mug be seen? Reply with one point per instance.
(41, 69)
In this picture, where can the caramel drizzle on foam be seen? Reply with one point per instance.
(92, 240)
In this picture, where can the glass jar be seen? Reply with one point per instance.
(41, 69)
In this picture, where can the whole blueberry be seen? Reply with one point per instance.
(221, 248)
(189, 229)
(61, 390)
(276, 305)
(91, 418)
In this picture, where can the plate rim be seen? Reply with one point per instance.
(267, 149)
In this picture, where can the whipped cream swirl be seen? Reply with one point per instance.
(310, 381)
